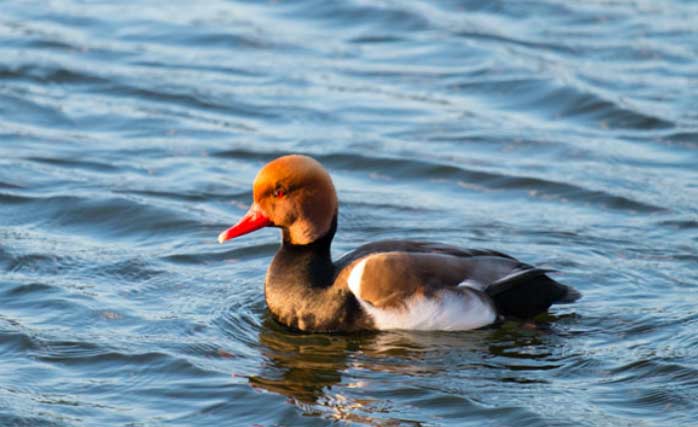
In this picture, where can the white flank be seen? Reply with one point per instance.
(355, 276)
(457, 309)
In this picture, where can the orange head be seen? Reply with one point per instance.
(294, 193)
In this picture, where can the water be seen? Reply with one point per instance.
(564, 134)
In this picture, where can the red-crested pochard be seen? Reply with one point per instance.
(391, 284)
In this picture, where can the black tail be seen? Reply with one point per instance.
(527, 293)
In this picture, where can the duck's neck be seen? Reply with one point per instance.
(308, 266)
(299, 285)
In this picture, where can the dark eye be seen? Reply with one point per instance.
(279, 193)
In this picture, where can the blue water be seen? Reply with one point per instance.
(563, 133)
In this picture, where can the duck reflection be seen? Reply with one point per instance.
(302, 367)
(309, 368)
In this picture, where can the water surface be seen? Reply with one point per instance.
(563, 134)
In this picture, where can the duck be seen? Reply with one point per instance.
(382, 285)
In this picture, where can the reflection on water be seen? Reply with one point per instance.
(301, 367)
(324, 374)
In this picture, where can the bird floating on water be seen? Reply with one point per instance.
(389, 284)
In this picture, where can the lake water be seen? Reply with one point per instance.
(563, 133)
